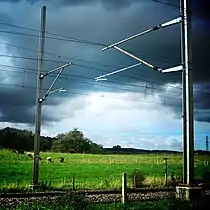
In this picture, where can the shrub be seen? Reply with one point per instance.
(206, 175)
(137, 178)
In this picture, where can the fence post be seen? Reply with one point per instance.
(73, 183)
(18, 183)
(206, 162)
(124, 188)
(166, 170)
(134, 181)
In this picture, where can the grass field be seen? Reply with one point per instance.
(90, 171)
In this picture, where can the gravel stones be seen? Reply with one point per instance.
(98, 198)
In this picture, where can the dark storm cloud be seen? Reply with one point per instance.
(202, 95)
(202, 115)
(201, 8)
(201, 102)
(107, 4)
(16, 107)
(105, 26)
(121, 3)
(17, 1)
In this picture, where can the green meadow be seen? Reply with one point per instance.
(90, 171)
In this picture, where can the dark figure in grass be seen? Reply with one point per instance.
(20, 152)
(61, 160)
(173, 180)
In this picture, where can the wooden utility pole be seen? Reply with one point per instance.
(38, 96)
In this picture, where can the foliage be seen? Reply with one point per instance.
(206, 175)
(76, 201)
(116, 147)
(75, 142)
(137, 178)
(16, 139)
(162, 204)
(23, 140)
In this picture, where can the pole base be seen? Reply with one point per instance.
(34, 187)
(188, 193)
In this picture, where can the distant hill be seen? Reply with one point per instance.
(12, 138)
(144, 151)
(136, 151)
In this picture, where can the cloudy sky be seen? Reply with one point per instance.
(136, 108)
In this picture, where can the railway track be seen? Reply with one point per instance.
(84, 192)
(96, 196)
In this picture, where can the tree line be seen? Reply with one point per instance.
(73, 141)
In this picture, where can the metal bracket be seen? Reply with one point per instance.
(50, 91)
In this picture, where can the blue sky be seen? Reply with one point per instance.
(136, 108)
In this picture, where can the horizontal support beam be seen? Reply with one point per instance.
(177, 68)
(100, 79)
(163, 25)
(171, 22)
(117, 71)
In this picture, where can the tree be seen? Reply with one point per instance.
(117, 147)
(60, 136)
(75, 141)
(12, 138)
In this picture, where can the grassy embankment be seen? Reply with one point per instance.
(146, 205)
(90, 171)
(67, 203)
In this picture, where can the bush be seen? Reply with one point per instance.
(137, 178)
(206, 175)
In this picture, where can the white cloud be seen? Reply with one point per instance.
(117, 118)
(128, 119)
(16, 125)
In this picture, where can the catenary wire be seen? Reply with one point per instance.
(52, 38)
(134, 85)
(145, 87)
(82, 60)
(166, 3)
(86, 94)
(26, 28)
(84, 66)
(89, 80)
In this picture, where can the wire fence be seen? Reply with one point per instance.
(99, 181)
(84, 171)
